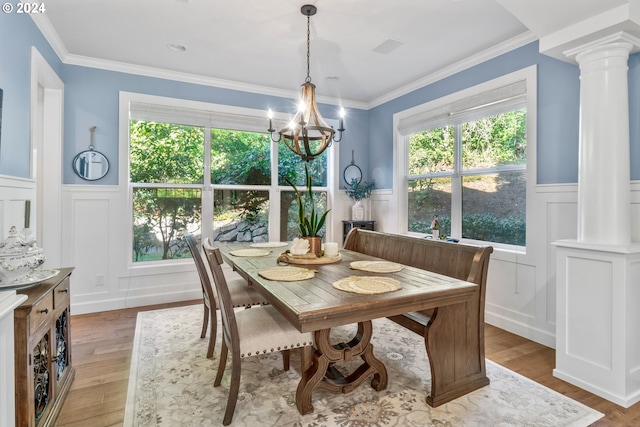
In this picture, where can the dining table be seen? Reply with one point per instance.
(316, 305)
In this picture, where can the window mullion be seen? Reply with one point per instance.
(207, 189)
(456, 183)
(274, 196)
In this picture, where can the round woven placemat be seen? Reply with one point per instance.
(376, 266)
(269, 244)
(287, 274)
(250, 252)
(308, 259)
(367, 285)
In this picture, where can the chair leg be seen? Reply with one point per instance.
(234, 390)
(214, 333)
(205, 321)
(286, 357)
(223, 363)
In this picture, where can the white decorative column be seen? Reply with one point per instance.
(604, 208)
(598, 275)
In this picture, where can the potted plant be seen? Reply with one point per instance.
(310, 223)
(358, 191)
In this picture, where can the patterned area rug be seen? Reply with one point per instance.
(171, 384)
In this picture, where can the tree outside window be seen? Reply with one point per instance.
(482, 163)
(168, 163)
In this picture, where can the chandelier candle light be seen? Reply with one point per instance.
(308, 134)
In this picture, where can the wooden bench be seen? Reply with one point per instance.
(461, 261)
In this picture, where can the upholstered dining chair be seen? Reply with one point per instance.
(242, 295)
(246, 333)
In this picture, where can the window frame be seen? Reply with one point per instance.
(207, 115)
(420, 112)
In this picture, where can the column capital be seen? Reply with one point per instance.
(621, 42)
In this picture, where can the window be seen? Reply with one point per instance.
(466, 162)
(212, 173)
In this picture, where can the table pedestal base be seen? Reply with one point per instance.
(321, 374)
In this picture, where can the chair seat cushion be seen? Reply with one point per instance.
(243, 295)
(264, 330)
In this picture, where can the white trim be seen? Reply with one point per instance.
(215, 116)
(528, 75)
(46, 135)
(495, 51)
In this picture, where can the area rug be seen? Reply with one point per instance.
(171, 384)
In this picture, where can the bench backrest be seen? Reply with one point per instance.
(465, 262)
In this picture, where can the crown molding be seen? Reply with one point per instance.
(50, 34)
(497, 50)
(45, 27)
(197, 79)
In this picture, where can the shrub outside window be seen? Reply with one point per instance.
(168, 163)
(470, 171)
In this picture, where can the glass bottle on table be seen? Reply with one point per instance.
(435, 228)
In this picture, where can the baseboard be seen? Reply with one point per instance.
(526, 331)
(133, 301)
(624, 401)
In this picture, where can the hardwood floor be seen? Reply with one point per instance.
(102, 344)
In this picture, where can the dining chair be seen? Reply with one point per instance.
(248, 333)
(242, 295)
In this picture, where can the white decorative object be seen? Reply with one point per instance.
(18, 258)
(299, 247)
(330, 249)
(357, 211)
(435, 234)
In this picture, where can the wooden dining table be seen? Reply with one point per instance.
(315, 305)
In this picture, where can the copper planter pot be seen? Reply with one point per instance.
(315, 244)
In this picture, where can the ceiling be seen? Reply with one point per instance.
(362, 51)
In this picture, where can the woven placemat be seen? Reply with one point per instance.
(367, 285)
(269, 244)
(287, 274)
(376, 266)
(250, 252)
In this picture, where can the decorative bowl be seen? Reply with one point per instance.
(18, 258)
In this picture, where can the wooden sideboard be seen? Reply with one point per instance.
(42, 336)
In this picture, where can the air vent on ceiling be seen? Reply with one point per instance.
(388, 46)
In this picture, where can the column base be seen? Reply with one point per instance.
(597, 319)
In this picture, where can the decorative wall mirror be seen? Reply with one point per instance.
(352, 172)
(90, 164)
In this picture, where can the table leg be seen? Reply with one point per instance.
(454, 339)
(320, 374)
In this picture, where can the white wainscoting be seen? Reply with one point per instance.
(521, 285)
(96, 220)
(520, 293)
(14, 193)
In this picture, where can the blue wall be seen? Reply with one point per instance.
(17, 34)
(558, 110)
(91, 99)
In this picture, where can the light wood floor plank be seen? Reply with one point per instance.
(102, 345)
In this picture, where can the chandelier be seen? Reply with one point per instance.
(307, 134)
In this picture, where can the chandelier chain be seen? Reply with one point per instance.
(308, 79)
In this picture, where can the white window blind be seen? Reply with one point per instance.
(500, 100)
(193, 117)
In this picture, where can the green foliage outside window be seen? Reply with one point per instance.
(165, 153)
(493, 202)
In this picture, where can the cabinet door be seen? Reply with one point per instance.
(61, 357)
(42, 378)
